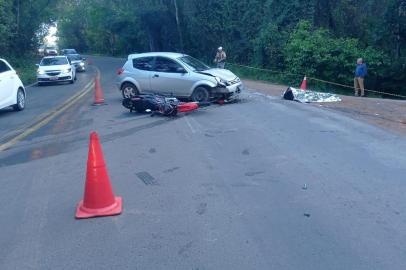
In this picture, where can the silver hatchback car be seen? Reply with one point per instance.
(176, 74)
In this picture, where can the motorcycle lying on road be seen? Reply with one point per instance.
(161, 105)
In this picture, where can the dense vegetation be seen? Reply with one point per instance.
(320, 38)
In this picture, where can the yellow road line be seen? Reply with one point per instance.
(48, 117)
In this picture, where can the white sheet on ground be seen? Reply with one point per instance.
(312, 96)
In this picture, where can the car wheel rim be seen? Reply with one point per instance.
(129, 92)
(21, 100)
(201, 96)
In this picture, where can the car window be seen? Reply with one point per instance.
(195, 64)
(54, 61)
(74, 57)
(4, 67)
(167, 65)
(143, 63)
(69, 51)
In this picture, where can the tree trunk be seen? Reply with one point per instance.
(175, 2)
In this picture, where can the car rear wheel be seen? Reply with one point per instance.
(201, 94)
(20, 101)
(129, 90)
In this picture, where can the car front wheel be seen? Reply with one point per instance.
(20, 101)
(129, 90)
(201, 94)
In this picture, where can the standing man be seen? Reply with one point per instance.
(360, 72)
(220, 58)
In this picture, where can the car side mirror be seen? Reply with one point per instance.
(84, 58)
(37, 65)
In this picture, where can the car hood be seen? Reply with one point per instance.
(58, 67)
(221, 73)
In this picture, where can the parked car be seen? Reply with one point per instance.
(68, 51)
(78, 61)
(177, 75)
(12, 91)
(41, 50)
(55, 69)
(50, 51)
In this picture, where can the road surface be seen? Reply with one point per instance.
(262, 184)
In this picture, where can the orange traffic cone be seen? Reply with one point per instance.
(303, 86)
(98, 93)
(99, 199)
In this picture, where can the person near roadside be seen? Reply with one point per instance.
(360, 72)
(220, 58)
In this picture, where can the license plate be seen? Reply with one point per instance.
(53, 78)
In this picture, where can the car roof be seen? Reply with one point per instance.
(154, 54)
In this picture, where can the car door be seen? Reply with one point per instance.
(6, 85)
(142, 72)
(170, 78)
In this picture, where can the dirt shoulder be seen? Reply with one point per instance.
(384, 113)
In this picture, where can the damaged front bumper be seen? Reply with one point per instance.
(228, 92)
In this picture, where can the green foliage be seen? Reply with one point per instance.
(317, 53)
(25, 67)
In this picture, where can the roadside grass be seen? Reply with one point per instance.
(292, 80)
(25, 67)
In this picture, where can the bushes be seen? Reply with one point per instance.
(316, 52)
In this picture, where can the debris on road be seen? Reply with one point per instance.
(309, 96)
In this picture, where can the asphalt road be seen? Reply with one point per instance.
(262, 184)
(40, 100)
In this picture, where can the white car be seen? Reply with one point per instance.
(12, 91)
(56, 69)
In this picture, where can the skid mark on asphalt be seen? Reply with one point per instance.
(131, 131)
(171, 170)
(250, 174)
(61, 144)
(201, 209)
(185, 248)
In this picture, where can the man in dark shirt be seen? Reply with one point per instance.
(360, 72)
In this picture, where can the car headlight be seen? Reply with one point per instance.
(221, 82)
(40, 72)
(67, 70)
(82, 64)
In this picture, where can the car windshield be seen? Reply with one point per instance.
(75, 57)
(195, 64)
(70, 51)
(54, 61)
